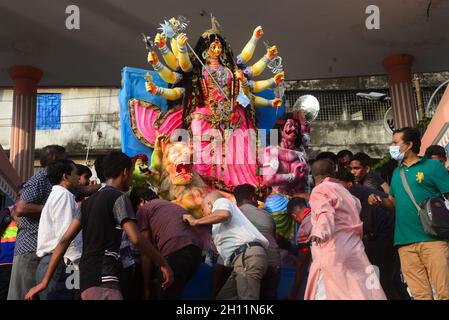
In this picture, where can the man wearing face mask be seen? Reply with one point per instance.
(424, 260)
(436, 152)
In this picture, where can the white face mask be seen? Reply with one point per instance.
(396, 154)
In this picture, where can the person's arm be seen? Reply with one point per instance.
(217, 216)
(147, 249)
(89, 190)
(323, 216)
(27, 209)
(388, 203)
(303, 261)
(146, 267)
(58, 253)
(385, 187)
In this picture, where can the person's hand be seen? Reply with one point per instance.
(160, 41)
(374, 200)
(152, 58)
(167, 275)
(278, 78)
(182, 39)
(272, 52)
(315, 239)
(150, 87)
(35, 290)
(189, 219)
(258, 32)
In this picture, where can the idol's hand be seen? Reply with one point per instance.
(151, 87)
(258, 32)
(278, 78)
(240, 76)
(182, 39)
(272, 52)
(276, 103)
(152, 58)
(160, 41)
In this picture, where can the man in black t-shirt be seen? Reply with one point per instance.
(103, 217)
(361, 167)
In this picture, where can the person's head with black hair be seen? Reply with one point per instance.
(327, 155)
(50, 154)
(436, 152)
(98, 164)
(322, 169)
(343, 158)
(84, 173)
(245, 194)
(63, 172)
(296, 207)
(360, 166)
(141, 195)
(347, 178)
(117, 170)
(405, 144)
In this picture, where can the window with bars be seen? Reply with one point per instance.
(48, 115)
(338, 105)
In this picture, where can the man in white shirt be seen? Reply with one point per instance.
(56, 217)
(238, 242)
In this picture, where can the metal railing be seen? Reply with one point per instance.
(338, 105)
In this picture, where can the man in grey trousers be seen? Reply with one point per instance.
(238, 242)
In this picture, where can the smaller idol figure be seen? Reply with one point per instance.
(286, 166)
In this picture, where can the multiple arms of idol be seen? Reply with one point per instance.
(177, 59)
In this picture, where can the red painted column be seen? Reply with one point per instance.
(402, 96)
(23, 127)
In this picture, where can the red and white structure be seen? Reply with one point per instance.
(23, 127)
(398, 67)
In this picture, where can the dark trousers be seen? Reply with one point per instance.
(383, 254)
(270, 283)
(5, 275)
(184, 263)
(57, 287)
(131, 282)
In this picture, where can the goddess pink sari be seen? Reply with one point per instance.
(340, 266)
(225, 155)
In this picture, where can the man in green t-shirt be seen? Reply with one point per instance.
(424, 260)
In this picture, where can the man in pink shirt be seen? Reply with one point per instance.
(340, 269)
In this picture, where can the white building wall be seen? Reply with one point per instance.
(89, 116)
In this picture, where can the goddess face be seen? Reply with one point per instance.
(215, 49)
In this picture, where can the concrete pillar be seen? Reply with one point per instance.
(400, 82)
(23, 127)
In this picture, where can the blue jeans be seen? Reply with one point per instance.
(56, 289)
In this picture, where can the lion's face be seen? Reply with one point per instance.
(178, 163)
